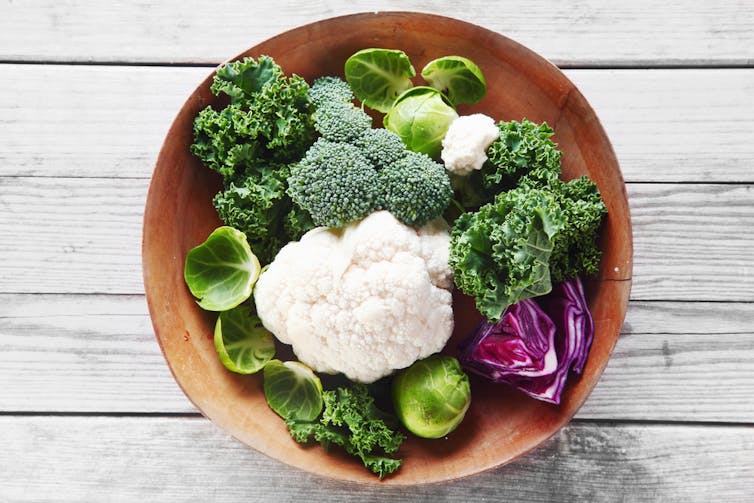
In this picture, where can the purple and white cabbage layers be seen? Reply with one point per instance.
(536, 343)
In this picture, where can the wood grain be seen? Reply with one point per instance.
(105, 121)
(64, 459)
(83, 235)
(590, 32)
(97, 353)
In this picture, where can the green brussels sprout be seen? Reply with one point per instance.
(241, 341)
(431, 397)
(458, 77)
(293, 390)
(221, 272)
(421, 117)
(378, 76)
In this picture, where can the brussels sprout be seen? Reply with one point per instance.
(241, 341)
(293, 390)
(421, 117)
(221, 272)
(458, 77)
(432, 396)
(378, 76)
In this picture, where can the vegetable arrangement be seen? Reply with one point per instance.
(351, 225)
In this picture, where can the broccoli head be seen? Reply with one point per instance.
(335, 183)
(336, 118)
(354, 170)
(415, 189)
(382, 147)
(341, 121)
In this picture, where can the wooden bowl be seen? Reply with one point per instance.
(501, 424)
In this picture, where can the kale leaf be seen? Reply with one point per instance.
(251, 142)
(351, 420)
(522, 152)
(500, 254)
(530, 229)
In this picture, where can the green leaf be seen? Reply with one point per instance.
(379, 76)
(292, 390)
(575, 249)
(501, 253)
(458, 77)
(241, 341)
(221, 272)
(268, 121)
(523, 154)
(241, 79)
(352, 421)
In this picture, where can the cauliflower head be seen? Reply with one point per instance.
(365, 299)
(464, 147)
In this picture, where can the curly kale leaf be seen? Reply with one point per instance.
(575, 248)
(522, 149)
(242, 79)
(251, 143)
(522, 154)
(500, 254)
(260, 208)
(352, 421)
(269, 119)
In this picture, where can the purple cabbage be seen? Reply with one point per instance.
(535, 343)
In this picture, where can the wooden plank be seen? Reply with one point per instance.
(71, 235)
(97, 353)
(690, 242)
(676, 125)
(83, 235)
(588, 33)
(88, 121)
(83, 353)
(121, 115)
(175, 459)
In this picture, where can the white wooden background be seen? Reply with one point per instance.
(88, 409)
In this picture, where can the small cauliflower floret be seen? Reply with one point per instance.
(464, 148)
(364, 300)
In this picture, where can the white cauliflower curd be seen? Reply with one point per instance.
(464, 147)
(364, 300)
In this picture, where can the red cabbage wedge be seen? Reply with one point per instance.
(519, 349)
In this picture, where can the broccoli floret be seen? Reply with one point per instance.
(415, 189)
(334, 183)
(382, 147)
(337, 181)
(336, 118)
(337, 121)
(326, 90)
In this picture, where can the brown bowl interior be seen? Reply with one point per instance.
(501, 424)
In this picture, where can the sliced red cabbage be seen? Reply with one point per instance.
(520, 344)
(512, 350)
